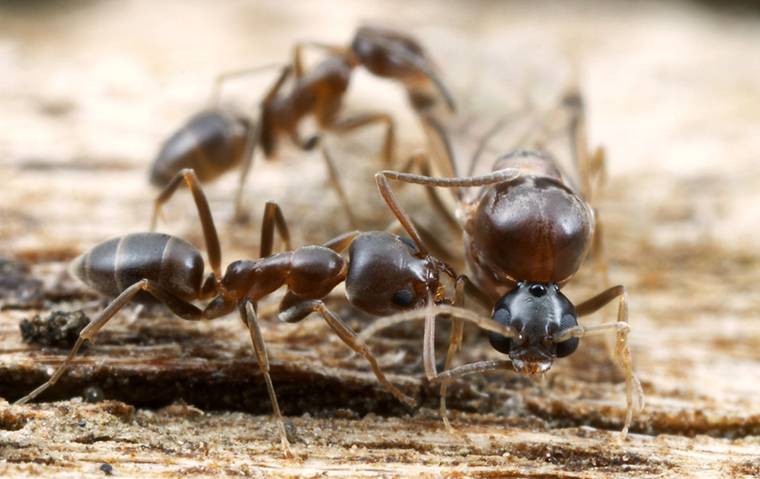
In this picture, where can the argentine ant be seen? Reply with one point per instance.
(527, 231)
(383, 274)
(214, 141)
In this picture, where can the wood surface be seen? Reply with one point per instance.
(88, 91)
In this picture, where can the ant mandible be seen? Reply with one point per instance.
(384, 274)
(527, 232)
(214, 141)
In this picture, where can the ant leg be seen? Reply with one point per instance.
(256, 121)
(249, 153)
(187, 175)
(573, 101)
(464, 288)
(455, 344)
(383, 184)
(472, 368)
(366, 119)
(623, 352)
(273, 218)
(422, 163)
(97, 324)
(435, 245)
(341, 242)
(335, 182)
(231, 74)
(483, 322)
(598, 251)
(348, 336)
(248, 313)
(298, 57)
(440, 145)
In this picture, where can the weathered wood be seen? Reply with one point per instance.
(85, 105)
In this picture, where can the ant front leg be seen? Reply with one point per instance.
(362, 120)
(633, 389)
(210, 236)
(464, 288)
(178, 306)
(300, 310)
(273, 218)
(248, 314)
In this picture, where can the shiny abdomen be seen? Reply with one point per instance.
(532, 228)
(112, 266)
(211, 143)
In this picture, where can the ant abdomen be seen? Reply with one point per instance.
(211, 142)
(116, 264)
(531, 227)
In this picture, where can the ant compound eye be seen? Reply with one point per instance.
(566, 348)
(502, 316)
(498, 342)
(537, 290)
(404, 298)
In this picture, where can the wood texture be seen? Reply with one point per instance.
(672, 95)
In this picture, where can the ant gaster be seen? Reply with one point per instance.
(527, 232)
(215, 141)
(383, 274)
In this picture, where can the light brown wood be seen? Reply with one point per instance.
(672, 95)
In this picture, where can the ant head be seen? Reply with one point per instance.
(386, 275)
(537, 312)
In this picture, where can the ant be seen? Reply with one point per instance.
(384, 274)
(214, 141)
(527, 231)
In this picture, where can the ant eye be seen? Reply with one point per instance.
(566, 348)
(404, 298)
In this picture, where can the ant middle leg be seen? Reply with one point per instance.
(367, 119)
(633, 389)
(348, 336)
(332, 172)
(210, 236)
(178, 306)
(226, 76)
(256, 121)
(298, 68)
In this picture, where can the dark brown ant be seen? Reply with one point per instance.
(214, 141)
(526, 232)
(384, 274)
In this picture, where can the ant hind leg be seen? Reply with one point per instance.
(89, 332)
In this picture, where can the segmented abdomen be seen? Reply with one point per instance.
(112, 266)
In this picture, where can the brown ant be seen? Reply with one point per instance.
(527, 232)
(384, 274)
(216, 140)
